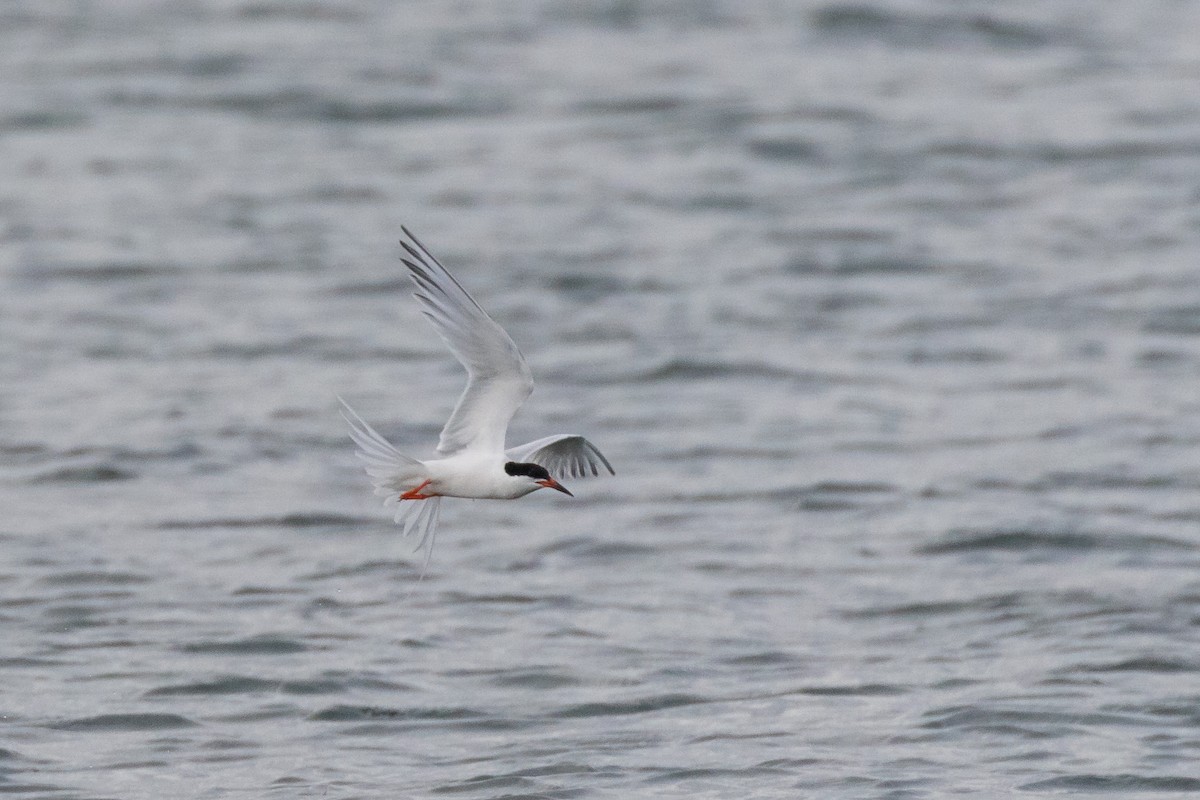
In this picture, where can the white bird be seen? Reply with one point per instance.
(474, 462)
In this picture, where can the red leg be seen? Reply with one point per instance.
(415, 494)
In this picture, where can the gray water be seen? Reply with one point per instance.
(886, 313)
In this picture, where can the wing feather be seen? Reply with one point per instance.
(565, 455)
(498, 379)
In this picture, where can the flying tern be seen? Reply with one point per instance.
(473, 460)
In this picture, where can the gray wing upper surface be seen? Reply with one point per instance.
(565, 455)
(498, 379)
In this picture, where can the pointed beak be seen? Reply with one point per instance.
(550, 483)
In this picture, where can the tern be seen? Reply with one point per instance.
(473, 460)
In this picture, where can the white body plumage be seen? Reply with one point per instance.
(475, 475)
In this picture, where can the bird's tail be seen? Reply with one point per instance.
(394, 473)
(390, 470)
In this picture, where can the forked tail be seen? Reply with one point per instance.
(393, 473)
(388, 467)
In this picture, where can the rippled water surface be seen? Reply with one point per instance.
(887, 315)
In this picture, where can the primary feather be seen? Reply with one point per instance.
(498, 379)
(565, 455)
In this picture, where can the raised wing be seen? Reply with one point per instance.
(564, 456)
(498, 379)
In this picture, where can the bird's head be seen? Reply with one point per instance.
(534, 473)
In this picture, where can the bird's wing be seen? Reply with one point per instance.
(498, 379)
(565, 455)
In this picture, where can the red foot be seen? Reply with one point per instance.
(415, 494)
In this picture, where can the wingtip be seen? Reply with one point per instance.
(417, 242)
(603, 460)
(412, 251)
(345, 408)
(351, 416)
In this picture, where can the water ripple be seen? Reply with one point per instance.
(1018, 540)
(105, 723)
(640, 706)
(255, 645)
(1123, 782)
